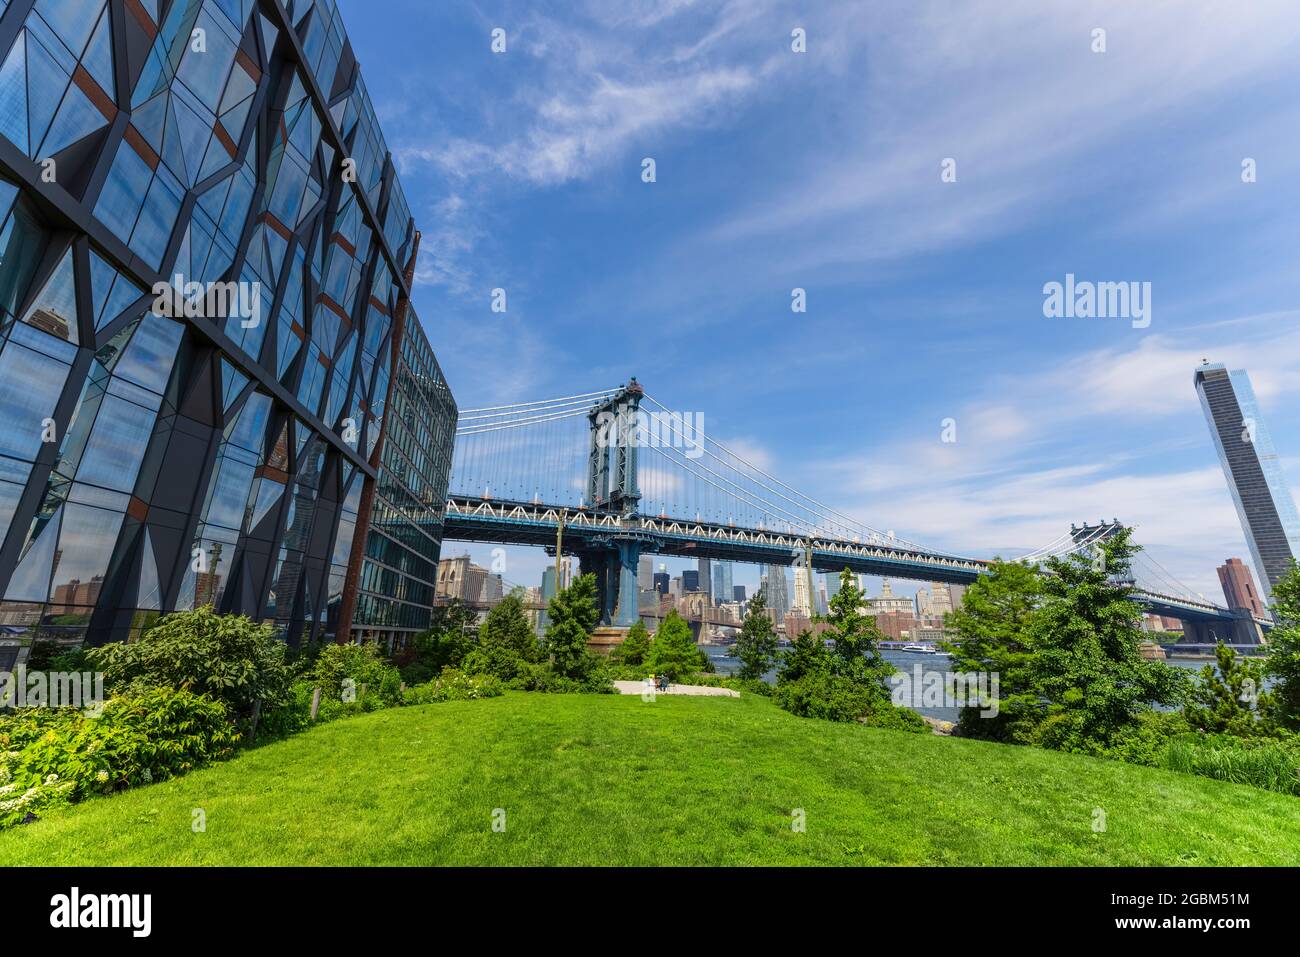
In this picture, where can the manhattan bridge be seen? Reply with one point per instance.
(609, 476)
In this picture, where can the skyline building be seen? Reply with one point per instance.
(722, 582)
(1264, 504)
(803, 599)
(227, 447)
(1239, 587)
(777, 593)
(705, 577)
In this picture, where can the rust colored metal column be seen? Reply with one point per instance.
(348, 603)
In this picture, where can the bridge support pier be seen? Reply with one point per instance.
(1241, 630)
(615, 568)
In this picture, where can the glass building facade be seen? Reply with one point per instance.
(1264, 503)
(205, 259)
(400, 565)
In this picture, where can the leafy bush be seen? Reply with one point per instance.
(228, 657)
(449, 639)
(834, 697)
(454, 685)
(65, 754)
(374, 682)
(1263, 763)
(540, 676)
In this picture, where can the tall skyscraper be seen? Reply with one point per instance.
(705, 579)
(778, 590)
(1239, 587)
(645, 573)
(722, 582)
(1264, 504)
(738, 593)
(690, 579)
(803, 599)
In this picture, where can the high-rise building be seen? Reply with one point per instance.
(393, 596)
(704, 577)
(661, 581)
(722, 572)
(690, 580)
(1239, 587)
(738, 593)
(645, 573)
(207, 305)
(941, 602)
(832, 584)
(777, 595)
(1264, 504)
(803, 598)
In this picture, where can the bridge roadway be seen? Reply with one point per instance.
(593, 533)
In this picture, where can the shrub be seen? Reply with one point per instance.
(453, 685)
(230, 658)
(821, 694)
(361, 665)
(140, 737)
(539, 676)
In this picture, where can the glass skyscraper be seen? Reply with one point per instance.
(205, 261)
(1264, 504)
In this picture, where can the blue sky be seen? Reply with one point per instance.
(822, 171)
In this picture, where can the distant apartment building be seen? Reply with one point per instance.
(1239, 587)
(1250, 463)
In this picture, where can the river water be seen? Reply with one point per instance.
(906, 662)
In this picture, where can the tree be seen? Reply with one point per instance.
(505, 640)
(993, 638)
(1283, 660)
(1085, 664)
(635, 646)
(449, 639)
(573, 615)
(1229, 697)
(857, 654)
(756, 647)
(673, 651)
(849, 683)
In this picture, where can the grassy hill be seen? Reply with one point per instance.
(614, 780)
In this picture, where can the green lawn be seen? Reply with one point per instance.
(614, 780)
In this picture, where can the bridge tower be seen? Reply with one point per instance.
(612, 487)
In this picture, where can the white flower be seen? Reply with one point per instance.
(51, 778)
(102, 776)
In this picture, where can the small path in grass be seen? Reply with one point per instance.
(642, 687)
